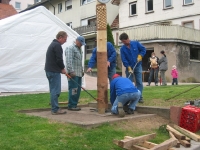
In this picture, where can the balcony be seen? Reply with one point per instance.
(84, 30)
(163, 32)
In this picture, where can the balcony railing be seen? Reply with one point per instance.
(163, 32)
(85, 29)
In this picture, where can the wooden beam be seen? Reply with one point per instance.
(127, 143)
(148, 144)
(176, 133)
(165, 145)
(172, 136)
(188, 139)
(136, 147)
(193, 136)
(185, 143)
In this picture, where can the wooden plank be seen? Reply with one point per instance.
(172, 136)
(127, 143)
(165, 145)
(193, 136)
(136, 147)
(188, 139)
(148, 144)
(185, 143)
(176, 133)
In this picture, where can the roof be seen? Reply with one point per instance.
(35, 5)
(115, 23)
(6, 11)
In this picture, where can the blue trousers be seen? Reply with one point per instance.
(175, 80)
(138, 77)
(111, 72)
(55, 89)
(131, 98)
(152, 73)
(74, 91)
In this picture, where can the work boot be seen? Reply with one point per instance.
(74, 108)
(59, 112)
(125, 107)
(130, 111)
(120, 109)
(141, 100)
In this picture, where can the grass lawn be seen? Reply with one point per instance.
(23, 132)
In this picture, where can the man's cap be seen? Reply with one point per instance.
(81, 40)
(115, 76)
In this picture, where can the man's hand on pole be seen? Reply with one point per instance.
(89, 70)
(139, 58)
(130, 70)
(108, 63)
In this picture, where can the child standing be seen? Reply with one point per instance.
(174, 74)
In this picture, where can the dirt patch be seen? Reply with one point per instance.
(143, 124)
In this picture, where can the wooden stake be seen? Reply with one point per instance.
(172, 136)
(185, 143)
(102, 69)
(193, 136)
(166, 144)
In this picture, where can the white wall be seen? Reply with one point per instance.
(159, 13)
(78, 12)
(24, 4)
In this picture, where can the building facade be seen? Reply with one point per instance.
(20, 5)
(169, 25)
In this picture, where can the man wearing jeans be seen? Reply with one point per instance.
(123, 94)
(54, 66)
(74, 68)
(132, 53)
(111, 60)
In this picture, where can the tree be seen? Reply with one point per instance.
(109, 35)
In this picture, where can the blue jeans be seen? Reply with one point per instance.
(74, 91)
(54, 79)
(111, 72)
(152, 73)
(138, 77)
(131, 98)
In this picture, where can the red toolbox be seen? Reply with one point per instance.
(190, 118)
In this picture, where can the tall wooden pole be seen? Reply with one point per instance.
(102, 69)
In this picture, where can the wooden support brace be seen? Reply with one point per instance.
(165, 145)
(176, 133)
(128, 142)
(185, 143)
(193, 136)
(172, 136)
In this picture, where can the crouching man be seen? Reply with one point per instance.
(123, 94)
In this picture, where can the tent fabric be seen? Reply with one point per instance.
(24, 39)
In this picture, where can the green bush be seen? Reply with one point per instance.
(109, 35)
(86, 62)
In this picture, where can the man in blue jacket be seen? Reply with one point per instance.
(123, 93)
(111, 62)
(132, 52)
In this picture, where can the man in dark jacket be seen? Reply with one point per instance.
(111, 60)
(153, 68)
(123, 93)
(54, 66)
(163, 67)
(132, 53)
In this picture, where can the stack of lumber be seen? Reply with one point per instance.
(178, 136)
(142, 143)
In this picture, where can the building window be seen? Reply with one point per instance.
(188, 24)
(60, 8)
(83, 2)
(17, 5)
(195, 53)
(37, 1)
(187, 2)
(88, 21)
(167, 3)
(149, 5)
(133, 9)
(68, 5)
(69, 24)
(29, 5)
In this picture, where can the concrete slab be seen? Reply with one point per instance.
(87, 117)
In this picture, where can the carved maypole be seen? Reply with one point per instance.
(102, 69)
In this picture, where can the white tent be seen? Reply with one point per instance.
(24, 39)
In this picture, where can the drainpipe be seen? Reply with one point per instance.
(52, 6)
